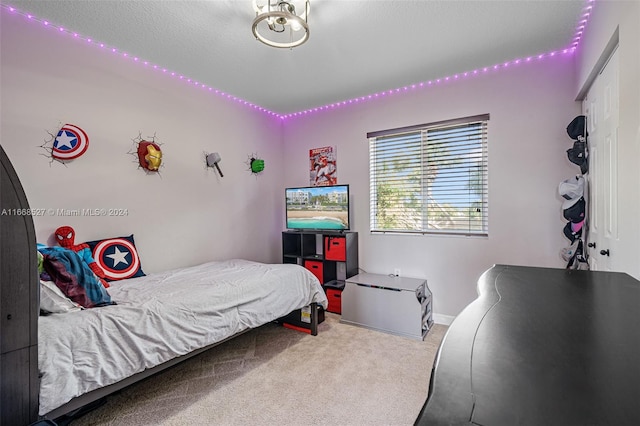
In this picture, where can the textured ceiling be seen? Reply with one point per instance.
(355, 47)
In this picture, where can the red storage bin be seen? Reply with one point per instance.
(333, 289)
(335, 248)
(335, 300)
(315, 267)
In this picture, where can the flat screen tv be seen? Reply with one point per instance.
(318, 208)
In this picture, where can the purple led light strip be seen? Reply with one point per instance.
(429, 83)
(136, 59)
(584, 18)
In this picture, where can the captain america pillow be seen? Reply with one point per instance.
(117, 257)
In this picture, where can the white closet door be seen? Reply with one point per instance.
(601, 106)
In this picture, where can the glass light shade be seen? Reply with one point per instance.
(274, 38)
(277, 25)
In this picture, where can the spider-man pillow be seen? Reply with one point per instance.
(117, 257)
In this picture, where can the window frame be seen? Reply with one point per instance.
(423, 129)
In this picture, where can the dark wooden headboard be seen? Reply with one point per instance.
(19, 306)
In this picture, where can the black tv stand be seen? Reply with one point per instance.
(313, 250)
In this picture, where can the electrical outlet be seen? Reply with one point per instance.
(396, 272)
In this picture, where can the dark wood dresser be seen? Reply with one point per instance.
(541, 346)
(19, 293)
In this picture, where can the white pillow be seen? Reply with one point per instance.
(53, 300)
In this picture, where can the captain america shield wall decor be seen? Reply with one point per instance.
(67, 143)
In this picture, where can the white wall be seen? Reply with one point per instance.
(621, 18)
(183, 216)
(190, 215)
(530, 106)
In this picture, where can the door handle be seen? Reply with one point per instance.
(604, 252)
(591, 245)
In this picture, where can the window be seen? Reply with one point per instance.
(430, 178)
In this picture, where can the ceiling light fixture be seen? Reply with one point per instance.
(278, 25)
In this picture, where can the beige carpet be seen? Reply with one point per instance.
(346, 375)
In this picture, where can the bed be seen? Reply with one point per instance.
(159, 319)
(53, 365)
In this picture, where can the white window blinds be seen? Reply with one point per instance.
(430, 178)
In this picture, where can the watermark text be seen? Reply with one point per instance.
(59, 212)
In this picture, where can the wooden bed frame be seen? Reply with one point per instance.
(19, 310)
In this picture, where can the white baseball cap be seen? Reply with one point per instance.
(571, 190)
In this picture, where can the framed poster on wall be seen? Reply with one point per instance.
(323, 166)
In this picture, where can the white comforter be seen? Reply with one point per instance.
(162, 316)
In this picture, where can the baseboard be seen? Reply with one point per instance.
(443, 319)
